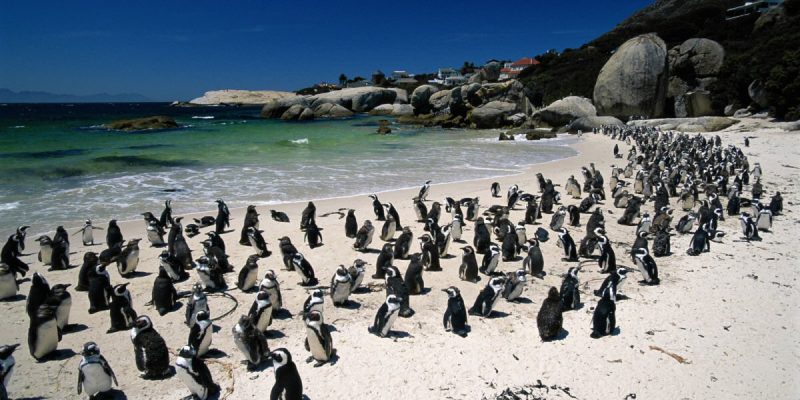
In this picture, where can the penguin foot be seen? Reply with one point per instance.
(595, 335)
(319, 364)
(309, 359)
(376, 276)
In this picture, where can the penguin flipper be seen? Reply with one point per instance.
(108, 370)
(80, 382)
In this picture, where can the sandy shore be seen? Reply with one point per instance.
(731, 314)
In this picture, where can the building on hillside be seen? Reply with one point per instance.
(750, 8)
(358, 84)
(511, 70)
(449, 77)
(397, 75)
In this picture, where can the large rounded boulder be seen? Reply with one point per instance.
(562, 112)
(492, 114)
(634, 80)
(420, 98)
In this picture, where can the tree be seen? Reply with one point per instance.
(342, 79)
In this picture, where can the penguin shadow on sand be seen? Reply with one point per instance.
(282, 314)
(562, 334)
(350, 305)
(274, 334)
(215, 354)
(138, 274)
(14, 298)
(74, 328)
(59, 355)
(522, 300)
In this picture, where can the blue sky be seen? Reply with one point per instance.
(170, 50)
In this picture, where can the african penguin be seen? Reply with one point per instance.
(549, 320)
(95, 375)
(455, 316)
(318, 339)
(194, 373)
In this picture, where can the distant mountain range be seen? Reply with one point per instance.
(10, 96)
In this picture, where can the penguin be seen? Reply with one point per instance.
(351, 224)
(424, 190)
(364, 236)
(250, 220)
(111, 254)
(248, 275)
(686, 223)
(385, 259)
(611, 285)
(155, 235)
(661, 243)
(473, 207)
(309, 214)
(194, 373)
(223, 217)
(386, 315)
(273, 287)
(388, 230)
(304, 269)
(192, 230)
(43, 333)
(573, 188)
(534, 260)
(95, 375)
(495, 189)
(455, 316)
(201, 333)
(514, 285)
(87, 233)
(179, 249)
(121, 309)
(608, 259)
(510, 248)
(604, 319)
(357, 271)
(210, 276)
(574, 214)
(377, 208)
(8, 282)
(699, 244)
(59, 256)
(318, 339)
(390, 210)
(7, 363)
(570, 290)
(644, 223)
(430, 253)
(647, 266)
(314, 302)
(588, 202)
(45, 249)
(764, 220)
(251, 342)
(532, 212)
(261, 311)
(313, 236)
(198, 301)
(128, 259)
(749, 228)
(278, 216)
(258, 243)
(287, 252)
(166, 215)
(565, 242)
(150, 350)
(481, 240)
(641, 241)
(558, 219)
(61, 300)
(413, 277)
(341, 286)
(776, 204)
(172, 267)
(457, 227)
(491, 258)
(288, 385)
(468, 271)
(487, 299)
(113, 234)
(37, 295)
(549, 320)
(402, 246)
(396, 285)
(164, 296)
(90, 261)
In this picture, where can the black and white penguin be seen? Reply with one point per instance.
(604, 319)
(150, 350)
(389, 228)
(164, 296)
(647, 266)
(304, 269)
(514, 285)
(510, 248)
(211, 276)
(113, 234)
(570, 290)
(37, 294)
(386, 315)
(645, 222)
(473, 208)
(201, 333)
(318, 339)
(248, 275)
(128, 259)
(482, 239)
(776, 204)
(223, 217)
(8, 282)
(279, 216)
(309, 214)
(90, 261)
(764, 220)
(111, 254)
(749, 227)
(261, 311)
(611, 285)
(288, 385)
(357, 272)
(314, 302)
(487, 299)
(572, 187)
(121, 309)
(155, 234)
(166, 215)
(661, 243)
(350, 224)
(59, 256)
(385, 259)
(686, 223)
(574, 216)
(455, 316)
(100, 290)
(491, 258)
(250, 220)
(198, 301)
(390, 210)
(608, 259)
(468, 271)
(313, 235)
(45, 249)
(413, 277)
(251, 342)
(424, 190)
(402, 246)
(194, 373)
(172, 267)
(95, 376)
(192, 230)
(271, 285)
(641, 241)
(87, 233)
(532, 212)
(341, 286)
(549, 320)
(700, 242)
(179, 249)
(43, 333)
(257, 242)
(565, 242)
(62, 301)
(534, 260)
(495, 189)
(430, 253)
(377, 208)
(457, 227)
(287, 252)
(364, 236)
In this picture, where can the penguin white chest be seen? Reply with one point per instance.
(132, 261)
(182, 370)
(95, 379)
(46, 338)
(62, 312)
(389, 322)
(88, 236)
(206, 342)
(317, 348)
(8, 285)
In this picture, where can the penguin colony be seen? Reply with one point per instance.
(675, 172)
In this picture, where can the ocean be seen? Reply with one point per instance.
(59, 166)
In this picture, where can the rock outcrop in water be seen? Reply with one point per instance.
(142, 124)
(239, 97)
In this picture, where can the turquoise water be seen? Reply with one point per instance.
(58, 166)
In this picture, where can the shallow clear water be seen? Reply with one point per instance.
(59, 166)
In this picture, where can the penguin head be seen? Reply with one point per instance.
(90, 349)
(520, 275)
(44, 240)
(187, 352)
(203, 262)
(367, 224)
(7, 349)
(280, 357)
(622, 273)
(298, 258)
(643, 234)
(373, 197)
(468, 249)
(283, 240)
(252, 261)
(573, 272)
(428, 182)
(424, 239)
(111, 223)
(341, 274)
(599, 231)
(317, 294)
(640, 253)
(497, 283)
(251, 231)
(121, 289)
(90, 258)
(270, 274)
(39, 280)
(452, 292)
(552, 294)
(359, 264)
(392, 271)
(314, 318)
(562, 232)
(142, 323)
(263, 296)
(393, 301)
